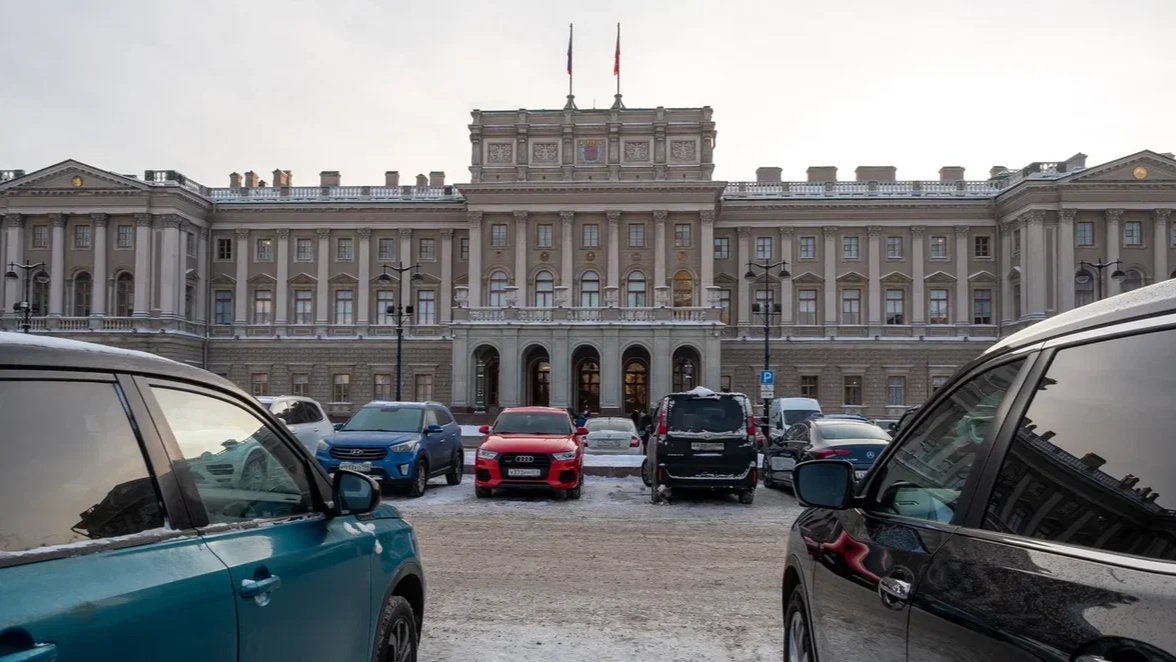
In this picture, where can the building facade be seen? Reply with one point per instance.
(590, 262)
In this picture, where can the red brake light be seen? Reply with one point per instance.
(663, 428)
(827, 453)
(751, 425)
(634, 442)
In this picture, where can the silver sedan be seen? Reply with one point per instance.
(613, 436)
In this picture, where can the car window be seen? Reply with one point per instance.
(611, 424)
(386, 418)
(310, 412)
(707, 415)
(532, 423)
(241, 468)
(443, 417)
(431, 417)
(73, 469)
(1092, 461)
(281, 409)
(925, 476)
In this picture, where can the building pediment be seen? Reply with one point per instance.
(897, 278)
(982, 277)
(74, 176)
(726, 279)
(262, 279)
(303, 279)
(1145, 166)
(851, 277)
(430, 279)
(808, 278)
(343, 279)
(940, 277)
(223, 279)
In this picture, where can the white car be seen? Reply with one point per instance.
(613, 436)
(304, 417)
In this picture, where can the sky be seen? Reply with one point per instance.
(209, 87)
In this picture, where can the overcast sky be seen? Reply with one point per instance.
(362, 87)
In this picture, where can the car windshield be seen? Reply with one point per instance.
(611, 425)
(794, 416)
(532, 423)
(706, 415)
(852, 431)
(385, 419)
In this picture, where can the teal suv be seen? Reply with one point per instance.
(152, 511)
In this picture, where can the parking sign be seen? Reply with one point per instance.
(767, 378)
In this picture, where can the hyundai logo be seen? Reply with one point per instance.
(357, 451)
(524, 459)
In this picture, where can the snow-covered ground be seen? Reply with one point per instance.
(610, 577)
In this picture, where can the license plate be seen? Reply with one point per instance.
(524, 473)
(782, 463)
(704, 446)
(361, 467)
(859, 475)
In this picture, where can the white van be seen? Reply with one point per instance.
(788, 411)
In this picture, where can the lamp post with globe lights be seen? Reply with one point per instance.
(24, 306)
(1117, 275)
(766, 309)
(399, 311)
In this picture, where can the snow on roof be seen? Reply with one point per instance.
(9, 339)
(701, 392)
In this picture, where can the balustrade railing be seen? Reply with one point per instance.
(965, 189)
(309, 193)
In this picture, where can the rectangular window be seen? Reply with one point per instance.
(190, 243)
(725, 306)
(426, 310)
(636, 235)
(498, 235)
(40, 236)
(265, 250)
(263, 306)
(809, 386)
(82, 236)
(259, 383)
(428, 250)
(387, 248)
(423, 387)
(303, 307)
(299, 384)
(1083, 234)
(1133, 233)
(896, 391)
(851, 306)
(725, 383)
(808, 248)
(937, 382)
(894, 248)
(850, 248)
(937, 311)
(342, 391)
(303, 249)
(224, 249)
(543, 235)
(385, 299)
(895, 303)
(806, 312)
(590, 235)
(853, 390)
(344, 307)
(126, 237)
(344, 249)
(764, 299)
(722, 248)
(982, 246)
(682, 235)
(982, 307)
(1016, 243)
(763, 248)
(464, 249)
(938, 248)
(383, 387)
(223, 307)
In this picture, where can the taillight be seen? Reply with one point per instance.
(827, 453)
(663, 428)
(634, 442)
(751, 425)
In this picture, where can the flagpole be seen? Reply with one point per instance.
(618, 104)
(571, 104)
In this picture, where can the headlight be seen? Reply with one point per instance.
(406, 447)
(570, 455)
(322, 446)
(486, 455)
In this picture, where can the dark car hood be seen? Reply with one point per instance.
(371, 439)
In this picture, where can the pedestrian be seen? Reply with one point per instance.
(582, 419)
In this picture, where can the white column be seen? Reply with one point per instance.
(1006, 268)
(1160, 218)
(786, 305)
(474, 278)
(662, 369)
(561, 379)
(241, 293)
(829, 256)
(362, 303)
(182, 267)
(202, 283)
(567, 229)
(1111, 286)
(1035, 264)
(610, 371)
(918, 276)
(874, 314)
(57, 266)
(14, 253)
(404, 252)
(614, 251)
(963, 302)
(322, 304)
(659, 248)
(445, 300)
(143, 242)
(706, 219)
(520, 269)
(98, 296)
(1066, 265)
(169, 259)
(281, 294)
(744, 241)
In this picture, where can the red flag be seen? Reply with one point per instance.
(617, 55)
(569, 49)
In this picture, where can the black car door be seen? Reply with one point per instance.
(870, 560)
(1071, 555)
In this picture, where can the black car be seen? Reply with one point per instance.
(703, 440)
(1028, 512)
(857, 442)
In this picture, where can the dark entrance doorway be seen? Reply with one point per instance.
(687, 364)
(486, 363)
(635, 379)
(586, 376)
(536, 377)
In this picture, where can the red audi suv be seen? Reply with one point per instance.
(531, 447)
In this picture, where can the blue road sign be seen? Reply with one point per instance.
(767, 377)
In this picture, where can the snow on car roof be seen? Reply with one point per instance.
(64, 344)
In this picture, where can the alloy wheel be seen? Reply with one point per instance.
(797, 638)
(400, 638)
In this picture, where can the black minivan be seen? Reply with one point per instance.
(704, 440)
(1028, 512)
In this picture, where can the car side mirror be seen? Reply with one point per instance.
(433, 429)
(354, 493)
(339, 426)
(824, 483)
(582, 432)
(485, 429)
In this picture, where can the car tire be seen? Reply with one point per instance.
(798, 638)
(747, 497)
(769, 482)
(456, 468)
(420, 480)
(645, 473)
(483, 492)
(396, 632)
(575, 492)
(559, 495)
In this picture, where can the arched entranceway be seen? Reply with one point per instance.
(536, 377)
(687, 369)
(486, 365)
(586, 378)
(683, 289)
(635, 379)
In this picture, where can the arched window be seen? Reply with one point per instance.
(498, 282)
(83, 289)
(124, 295)
(590, 290)
(1132, 281)
(1083, 288)
(40, 294)
(635, 290)
(544, 290)
(683, 289)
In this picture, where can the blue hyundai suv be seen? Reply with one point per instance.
(403, 444)
(150, 510)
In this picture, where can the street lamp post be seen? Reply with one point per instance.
(398, 310)
(766, 309)
(24, 307)
(1117, 275)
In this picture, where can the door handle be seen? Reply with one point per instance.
(893, 590)
(251, 588)
(38, 653)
